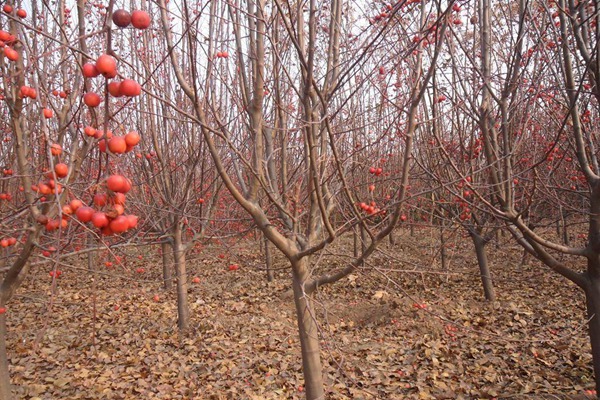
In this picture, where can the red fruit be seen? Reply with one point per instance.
(47, 113)
(6, 37)
(89, 131)
(117, 145)
(106, 231)
(75, 204)
(2, 310)
(371, 188)
(7, 8)
(12, 241)
(4, 243)
(90, 70)
(61, 170)
(114, 88)
(119, 224)
(100, 220)
(121, 18)
(116, 183)
(140, 19)
(21, 13)
(91, 99)
(140, 270)
(130, 88)
(84, 214)
(132, 220)
(372, 170)
(100, 199)
(55, 149)
(52, 225)
(119, 199)
(11, 53)
(119, 209)
(234, 267)
(156, 298)
(107, 66)
(132, 138)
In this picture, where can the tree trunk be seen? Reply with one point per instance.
(268, 259)
(355, 236)
(308, 331)
(565, 230)
(392, 238)
(484, 268)
(592, 297)
(183, 311)
(90, 255)
(443, 255)
(167, 276)
(5, 386)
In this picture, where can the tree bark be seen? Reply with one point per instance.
(183, 310)
(268, 259)
(308, 331)
(443, 255)
(5, 386)
(355, 237)
(592, 297)
(484, 268)
(167, 275)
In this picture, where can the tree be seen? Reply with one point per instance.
(283, 157)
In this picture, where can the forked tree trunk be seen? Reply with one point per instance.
(5, 386)
(309, 335)
(167, 275)
(183, 311)
(484, 268)
(592, 297)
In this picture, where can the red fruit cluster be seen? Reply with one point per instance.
(27, 91)
(111, 220)
(127, 88)
(7, 39)
(375, 171)
(116, 144)
(6, 242)
(222, 54)
(138, 19)
(370, 209)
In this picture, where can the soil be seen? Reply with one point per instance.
(398, 328)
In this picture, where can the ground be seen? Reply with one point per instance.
(400, 328)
